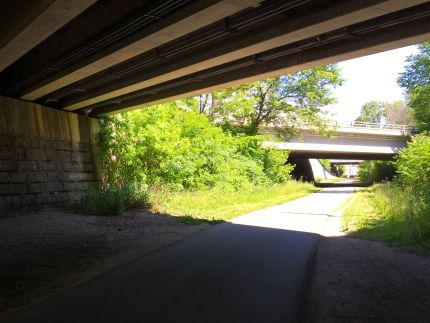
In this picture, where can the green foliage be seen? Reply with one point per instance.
(341, 170)
(285, 102)
(389, 112)
(398, 112)
(372, 111)
(219, 203)
(413, 165)
(417, 69)
(390, 213)
(416, 82)
(169, 145)
(374, 171)
(326, 163)
(112, 200)
(419, 100)
(398, 212)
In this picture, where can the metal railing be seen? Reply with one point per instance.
(370, 125)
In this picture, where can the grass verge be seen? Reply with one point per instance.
(386, 212)
(220, 204)
(333, 180)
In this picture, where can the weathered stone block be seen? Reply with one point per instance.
(73, 166)
(4, 177)
(78, 177)
(81, 147)
(5, 140)
(10, 201)
(88, 167)
(86, 157)
(37, 177)
(7, 165)
(18, 153)
(16, 177)
(63, 155)
(54, 197)
(26, 165)
(5, 153)
(35, 154)
(51, 154)
(48, 165)
(34, 188)
(9, 189)
(28, 199)
(52, 187)
(21, 141)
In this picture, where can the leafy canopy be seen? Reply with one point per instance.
(285, 101)
(385, 112)
(169, 145)
(416, 82)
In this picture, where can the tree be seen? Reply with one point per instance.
(285, 102)
(416, 82)
(388, 112)
(373, 111)
(398, 112)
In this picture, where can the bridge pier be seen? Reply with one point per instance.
(302, 169)
(46, 155)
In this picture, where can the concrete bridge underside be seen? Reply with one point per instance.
(100, 57)
(345, 145)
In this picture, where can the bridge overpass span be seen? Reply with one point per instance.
(101, 57)
(350, 140)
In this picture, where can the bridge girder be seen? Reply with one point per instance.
(113, 57)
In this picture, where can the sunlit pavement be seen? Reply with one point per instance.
(316, 213)
(253, 269)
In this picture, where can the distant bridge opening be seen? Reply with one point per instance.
(349, 140)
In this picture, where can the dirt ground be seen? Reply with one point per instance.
(45, 252)
(362, 281)
(352, 280)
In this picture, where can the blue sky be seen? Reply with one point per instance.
(369, 78)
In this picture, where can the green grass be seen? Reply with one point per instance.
(219, 204)
(333, 180)
(386, 212)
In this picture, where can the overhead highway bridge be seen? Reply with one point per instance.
(100, 57)
(348, 140)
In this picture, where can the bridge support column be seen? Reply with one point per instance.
(46, 155)
(302, 169)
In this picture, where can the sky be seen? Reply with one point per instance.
(369, 78)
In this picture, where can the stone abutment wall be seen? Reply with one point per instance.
(45, 155)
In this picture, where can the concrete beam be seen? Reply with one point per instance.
(381, 40)
(37, 24)
(245, 44)
(189, 19)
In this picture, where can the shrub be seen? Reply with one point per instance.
(413, 165)
(375, 171)
(112, 200)
(183, 149)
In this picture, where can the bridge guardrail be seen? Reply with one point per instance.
(371, 125)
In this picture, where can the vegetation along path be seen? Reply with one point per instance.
(253, 269)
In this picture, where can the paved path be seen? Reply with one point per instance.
(253, 269)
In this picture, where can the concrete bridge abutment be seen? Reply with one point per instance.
(46, 155)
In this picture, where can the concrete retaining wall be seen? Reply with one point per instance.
(45, 155)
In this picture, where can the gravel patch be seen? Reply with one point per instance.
(45, 252)
(363, 281)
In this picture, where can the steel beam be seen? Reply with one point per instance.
(35, 25)
(191, 18)
(241, 44)
(249, 69)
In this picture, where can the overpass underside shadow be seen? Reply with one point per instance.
(347, 184)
